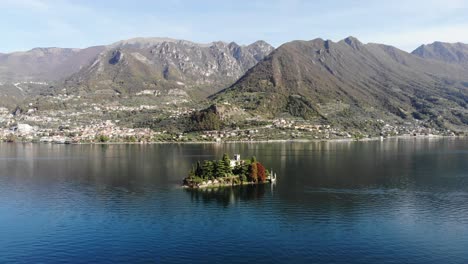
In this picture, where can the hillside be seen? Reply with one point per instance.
(168, 65)
(456, 53)
(44, 64)
(322, 88)
(348, 82)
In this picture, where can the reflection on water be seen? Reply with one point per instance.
(396, 201)
(229, 195)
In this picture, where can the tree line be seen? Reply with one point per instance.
(247, 170)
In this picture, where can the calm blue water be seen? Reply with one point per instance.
(396, 201)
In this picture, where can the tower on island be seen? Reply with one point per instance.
(236, 160)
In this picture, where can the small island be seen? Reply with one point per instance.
(227, 172)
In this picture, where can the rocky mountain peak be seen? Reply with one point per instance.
(456, 53)
(353, 42)
(259, 49)
(323, 80)
(44, 64)
(117, 56)
(169, 63)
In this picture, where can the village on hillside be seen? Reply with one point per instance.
(87, 126)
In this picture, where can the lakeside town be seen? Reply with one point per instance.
(84, 126)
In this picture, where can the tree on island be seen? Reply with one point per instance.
(199, 169)
(242, 169)
(261, 172)
(227, 164)
(237, 169)
(192, 173)
(253, 172)
(208, 169)
(220, 169)
(246, 171)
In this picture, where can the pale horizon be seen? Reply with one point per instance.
(72, 24)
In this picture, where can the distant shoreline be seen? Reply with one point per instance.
(281, 140)
(256, 141)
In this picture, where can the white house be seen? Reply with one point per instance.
(236, 160)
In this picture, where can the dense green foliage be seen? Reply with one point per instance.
(226, 164)
(204, 120)
(102, 138)
(244, 171)
(301, 107)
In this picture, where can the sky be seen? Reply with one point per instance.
(406, 24)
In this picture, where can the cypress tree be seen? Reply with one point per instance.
(237, 170)
(192, 172)
(199, 169)
(245, 169)
(208, 169)
(220, 169)
(227, 164)
(253, 172)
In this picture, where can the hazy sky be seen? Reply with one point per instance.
(406, 24)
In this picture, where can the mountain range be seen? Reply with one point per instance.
(456, 53)
(345, 82)
(166, 64)
(44, 64)
(348, 82)
(131, 66)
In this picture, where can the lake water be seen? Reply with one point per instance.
(396, 201)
